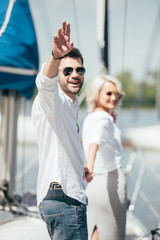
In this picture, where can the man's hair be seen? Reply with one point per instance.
(75, 53)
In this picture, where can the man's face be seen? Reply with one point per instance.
(72, 83)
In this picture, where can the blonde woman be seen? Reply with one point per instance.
(106, 211)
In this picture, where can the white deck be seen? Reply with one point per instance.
(35, 229)
(26, 228)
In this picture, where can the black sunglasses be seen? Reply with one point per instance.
(68, 70)
(117, 94)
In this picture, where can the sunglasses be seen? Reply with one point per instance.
(117, 94)
(68, 70)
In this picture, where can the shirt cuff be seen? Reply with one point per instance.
(47, 78)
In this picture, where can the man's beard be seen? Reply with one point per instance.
(72, 91)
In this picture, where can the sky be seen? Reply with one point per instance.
(134, 45)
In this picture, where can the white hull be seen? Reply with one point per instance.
(144, 137)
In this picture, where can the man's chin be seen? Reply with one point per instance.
(74, 90)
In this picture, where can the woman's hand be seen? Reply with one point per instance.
(114, 115)
(88, 174)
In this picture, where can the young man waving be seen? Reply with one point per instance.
(60, 187)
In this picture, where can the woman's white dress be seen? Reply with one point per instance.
(107, 191)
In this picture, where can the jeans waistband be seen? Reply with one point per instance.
(60, 195)
(54, 185)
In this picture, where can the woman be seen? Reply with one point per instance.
(106, 213)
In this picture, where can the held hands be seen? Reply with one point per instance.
(61, 42)
(88, 174)
(114, 115)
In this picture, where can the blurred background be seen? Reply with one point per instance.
(133, 51)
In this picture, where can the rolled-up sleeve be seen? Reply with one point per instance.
(48, 96)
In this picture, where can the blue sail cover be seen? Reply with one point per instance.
(18, 47)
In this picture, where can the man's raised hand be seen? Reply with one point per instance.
(61, 42)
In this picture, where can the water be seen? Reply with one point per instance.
(145, 174)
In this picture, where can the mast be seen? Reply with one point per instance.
(9, 117)
(158, 96)
(102, 34)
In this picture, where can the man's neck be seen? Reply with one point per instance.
(70, 95)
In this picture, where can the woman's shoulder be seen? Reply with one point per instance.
(98, 116)
(102, 115)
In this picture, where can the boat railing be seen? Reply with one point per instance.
(137, 154)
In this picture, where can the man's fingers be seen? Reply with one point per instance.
(62, 39)
(89, 178)
(55, 37)
(71, 45)
(59, 31)
(68, 29)
(64, 27)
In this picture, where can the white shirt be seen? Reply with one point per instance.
(55, 118)
(98, 127)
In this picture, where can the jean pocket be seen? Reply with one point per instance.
(54, 218)
(81, 221)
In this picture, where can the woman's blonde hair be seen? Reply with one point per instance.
(96, 86)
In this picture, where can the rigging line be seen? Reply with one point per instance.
(147, 62)
(148, 59)
(124, 41)
(76, 23)
(152, 43)
(124, 37)
(23, 157)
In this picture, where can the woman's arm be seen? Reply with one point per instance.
(93, 147)
(88, 169)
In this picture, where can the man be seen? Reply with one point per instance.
(60, 188)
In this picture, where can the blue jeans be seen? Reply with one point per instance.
(65, 217)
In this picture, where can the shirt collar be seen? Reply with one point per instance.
(76, 102)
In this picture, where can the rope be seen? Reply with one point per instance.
(76, 23)
(148, 59)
